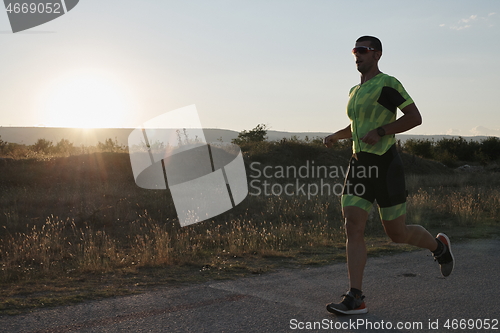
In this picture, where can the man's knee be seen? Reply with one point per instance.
(354, 221)
(396, 230)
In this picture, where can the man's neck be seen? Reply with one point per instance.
(369, 75)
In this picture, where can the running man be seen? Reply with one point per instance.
(372, 109)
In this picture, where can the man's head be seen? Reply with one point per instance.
(367, 53)
(374, 42)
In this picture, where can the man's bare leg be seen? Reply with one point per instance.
(355, 222)
(415, 235)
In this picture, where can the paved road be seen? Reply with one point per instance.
(404, 289)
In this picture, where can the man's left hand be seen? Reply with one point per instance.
(371, 137)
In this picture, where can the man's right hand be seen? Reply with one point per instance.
(331, 140)
(344, 133)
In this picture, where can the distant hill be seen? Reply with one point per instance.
(90, 137)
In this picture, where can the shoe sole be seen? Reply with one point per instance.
(449, 249)
(347, 312)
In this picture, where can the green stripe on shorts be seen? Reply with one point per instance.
(352, 200)
(393, 212)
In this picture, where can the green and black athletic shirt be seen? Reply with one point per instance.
(374, 104)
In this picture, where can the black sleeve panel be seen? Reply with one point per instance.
(390, 99)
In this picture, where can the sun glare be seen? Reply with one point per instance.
(86, 99)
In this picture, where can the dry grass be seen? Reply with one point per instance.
(458, 199)
(111, 224)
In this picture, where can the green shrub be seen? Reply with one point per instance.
(490, 147)
(420, 147)
(462, 149)
(257, 134)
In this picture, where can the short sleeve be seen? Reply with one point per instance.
(405, 98)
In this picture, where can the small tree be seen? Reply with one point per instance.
(257, 134)
(64, 147)
(43, 146)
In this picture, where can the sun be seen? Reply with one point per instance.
(86, 99)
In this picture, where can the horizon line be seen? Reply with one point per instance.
(225, 129)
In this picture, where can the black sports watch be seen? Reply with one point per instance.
(380, 131)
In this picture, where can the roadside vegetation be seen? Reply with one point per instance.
(74, 226)
(455, 151)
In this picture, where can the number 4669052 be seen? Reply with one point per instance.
(471, 324)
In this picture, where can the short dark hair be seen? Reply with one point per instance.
(374, 42)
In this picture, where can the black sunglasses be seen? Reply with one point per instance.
(362, 49)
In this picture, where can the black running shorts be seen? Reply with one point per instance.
(376, 177)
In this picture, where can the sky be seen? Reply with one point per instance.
(283, 63)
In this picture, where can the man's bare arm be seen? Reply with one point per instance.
(344, 133)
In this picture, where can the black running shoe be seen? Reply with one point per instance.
(446, 260)
(349, 305)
